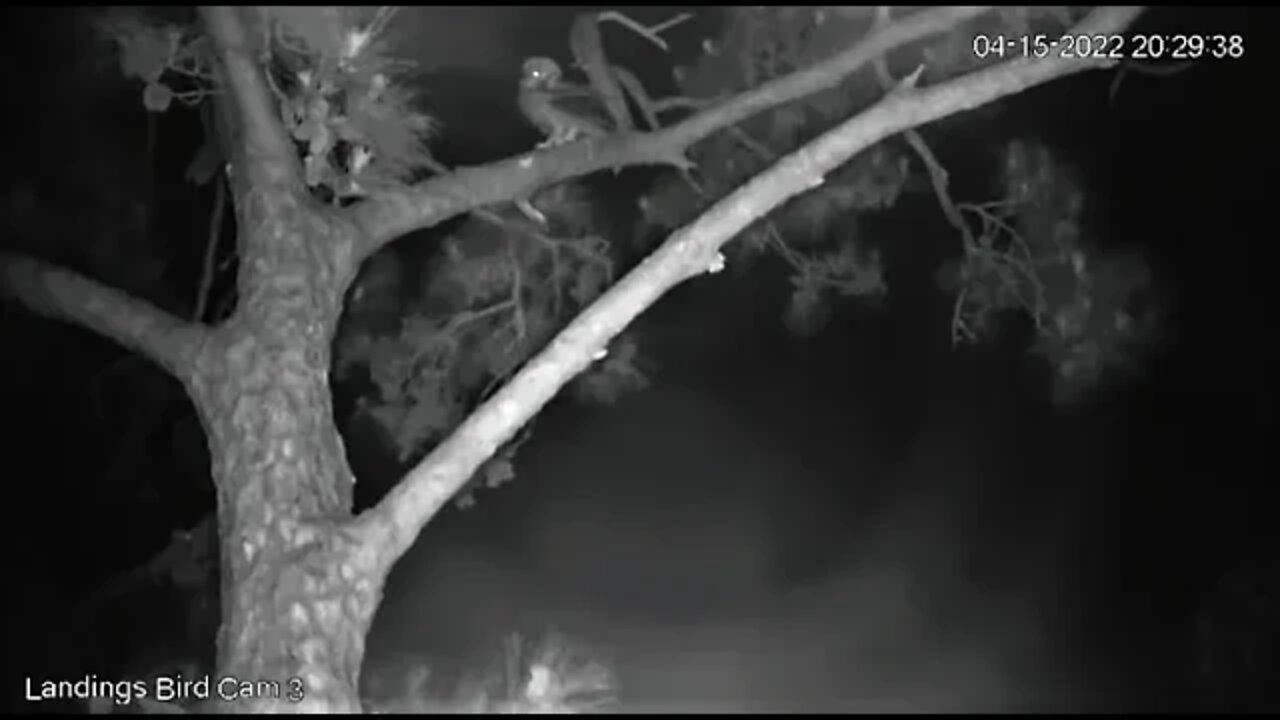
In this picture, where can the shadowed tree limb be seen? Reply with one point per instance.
(269, 159)
(67, 296)
(391, 526)
(588, 50)
(938, 176)
(209, 265)
(388, 216)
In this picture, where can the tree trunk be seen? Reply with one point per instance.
(300, 579)
(298, 593)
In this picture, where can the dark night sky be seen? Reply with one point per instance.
(775, 514)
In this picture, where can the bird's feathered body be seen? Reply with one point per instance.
(562, 110)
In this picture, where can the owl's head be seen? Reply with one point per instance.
(540, 73)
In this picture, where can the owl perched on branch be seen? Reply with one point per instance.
(562, 110)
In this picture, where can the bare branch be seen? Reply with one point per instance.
(269, 158)
(390, 215)
(828, 73)
(64, 295)
(391, 526)
(393, 214)
(208, 267)
(588, 51)
(652, 33)
(938, 176)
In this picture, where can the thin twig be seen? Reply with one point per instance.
(517, 291)
(652, 33)
(208, 268)
(938, 176)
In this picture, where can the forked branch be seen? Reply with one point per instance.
(392, 525)
(395, 213)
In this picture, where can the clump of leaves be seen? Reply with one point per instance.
(343, 95)
(1090, 309)
(171, 59)
(617, 373)
(409, 685)
(501, 289)
(756, 45)
(762, 43)
(551, 676)
(848, 272)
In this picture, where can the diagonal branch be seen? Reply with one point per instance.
(393, 214)
(60, 294)
(391, 526)
(209, 267)
(938, 176)
(269, 159)
(829, 73)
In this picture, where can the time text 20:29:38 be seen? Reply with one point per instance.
(1137, 46)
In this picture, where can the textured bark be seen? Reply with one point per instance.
(300, 578)
(298, 593)
(295, 607)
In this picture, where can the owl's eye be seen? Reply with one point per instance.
(541, 68)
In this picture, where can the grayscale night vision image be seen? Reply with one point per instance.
(528, 359)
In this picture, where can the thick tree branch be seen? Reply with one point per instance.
(828, 73)
(60, 294)
(392, 525)
(391, 215)
(269, 159)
